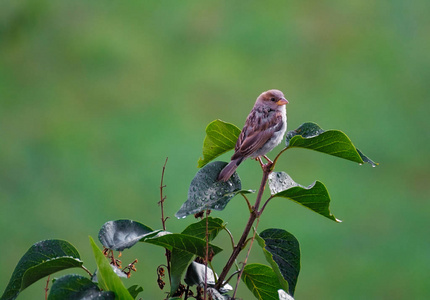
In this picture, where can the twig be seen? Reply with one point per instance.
(253, 215)
(162, 198)
(163, 219)
(277, 156)
(86, 270)
(264, 205)
(246, 258)
(231, 276)
(47, 288)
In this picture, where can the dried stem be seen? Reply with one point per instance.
(47, 287)
(162, 198)
(163, 219)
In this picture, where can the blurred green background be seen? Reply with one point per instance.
(95, 95)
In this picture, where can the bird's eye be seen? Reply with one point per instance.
(272, 99)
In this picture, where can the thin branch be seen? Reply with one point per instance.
(264, 205)
(86, 270)
(246, 258)
(47, 287)
(277, 157)
(163, 219)
(253, 215)
(162, 198)
(231, 276)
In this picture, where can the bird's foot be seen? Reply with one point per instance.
(265, 167)
(268, 159)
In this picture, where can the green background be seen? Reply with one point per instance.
(95, 95)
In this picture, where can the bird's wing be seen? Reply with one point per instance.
(249, 142)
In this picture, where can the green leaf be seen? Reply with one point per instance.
(282, 251)
(333, 142)
(42, 259)
(220, 138)
(180, 258)
(215, 225)
(206, 192)
(134, 290)
(121, 234)
(183, 242)
(106, 277)
(183, 248)
(73, 286)
(262, 281)
(315, 196)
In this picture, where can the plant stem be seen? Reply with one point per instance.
(246, 259)
(163, 219)
(253, 215)
(47, 287)
(86, 270)
(162, 198)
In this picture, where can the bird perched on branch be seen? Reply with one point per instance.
(264, 129)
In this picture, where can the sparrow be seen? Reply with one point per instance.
(264, 129)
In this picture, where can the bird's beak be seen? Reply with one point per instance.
(282, 101)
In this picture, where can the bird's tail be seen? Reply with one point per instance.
(229, 169)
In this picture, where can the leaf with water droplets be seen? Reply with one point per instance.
(75, 286)
(122, 234)
(206, 192)
(220, 138)
(315, 196)
(42, 259)
(282, 252)
(333, 142)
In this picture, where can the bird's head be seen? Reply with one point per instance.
(272, 98)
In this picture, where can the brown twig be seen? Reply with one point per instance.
(253, 215)
(47, 287)
(162, 198)
(246, 259)
(163, 219)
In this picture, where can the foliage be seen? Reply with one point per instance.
(276, 281)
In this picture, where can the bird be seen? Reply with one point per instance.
(264, 129)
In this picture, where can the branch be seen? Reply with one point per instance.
(47, 287)
(246, 259)
(163, 219)
(253, 215)
(277, 157)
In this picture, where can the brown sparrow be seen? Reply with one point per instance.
(264, 129)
